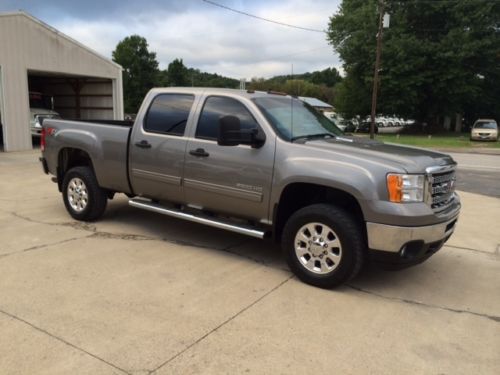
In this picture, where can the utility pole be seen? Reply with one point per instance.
(381, 7)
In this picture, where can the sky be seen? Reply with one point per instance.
(205, 36)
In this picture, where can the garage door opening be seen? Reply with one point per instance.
(69, 97)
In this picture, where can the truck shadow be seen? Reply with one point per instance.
(123, 219)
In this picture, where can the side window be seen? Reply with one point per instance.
(168, 114)
(216, 107)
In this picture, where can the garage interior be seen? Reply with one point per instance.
(75, 97)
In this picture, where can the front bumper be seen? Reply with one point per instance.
(36, 132)
(484, 137)
(407, 245)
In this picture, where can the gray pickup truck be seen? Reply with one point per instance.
(262, 164)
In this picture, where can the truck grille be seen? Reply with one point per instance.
(441, 188)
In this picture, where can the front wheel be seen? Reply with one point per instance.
(324, 245)
(83, 198)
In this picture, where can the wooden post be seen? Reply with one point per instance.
(77, 85)
(377, 68)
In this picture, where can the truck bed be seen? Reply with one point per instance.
(105, 141)
(125, 123)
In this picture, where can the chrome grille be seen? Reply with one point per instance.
(441, 188)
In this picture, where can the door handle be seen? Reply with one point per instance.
(143, 144)
(199, 152)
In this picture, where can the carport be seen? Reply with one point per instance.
(37, 58)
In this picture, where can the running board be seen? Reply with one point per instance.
(155, 207)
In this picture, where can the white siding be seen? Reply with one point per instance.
(27, 44)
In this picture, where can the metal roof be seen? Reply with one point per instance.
(315, 102)
(55, 31)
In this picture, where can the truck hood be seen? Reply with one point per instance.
(409, 159)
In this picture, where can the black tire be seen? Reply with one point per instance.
(96, 196)
(348, 232)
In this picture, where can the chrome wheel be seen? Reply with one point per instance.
(78, 196)
(318, 248)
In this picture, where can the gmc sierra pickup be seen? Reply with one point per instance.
(261, 164)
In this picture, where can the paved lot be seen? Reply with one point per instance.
(478, 173)
(139, 293)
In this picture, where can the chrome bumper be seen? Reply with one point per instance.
(392, 238)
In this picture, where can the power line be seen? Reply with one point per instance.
(262, 18)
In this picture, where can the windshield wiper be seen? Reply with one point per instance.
(312, 136)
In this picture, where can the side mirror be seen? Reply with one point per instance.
(231, 134)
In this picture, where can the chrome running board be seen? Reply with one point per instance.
(155, 207)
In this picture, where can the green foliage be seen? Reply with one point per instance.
(319, 84)
(438, 57)
(177, 73)
(328, 77)
(140, 70)
(351, 97)
(202, 79)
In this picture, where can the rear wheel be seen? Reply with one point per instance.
(83, 198)
(324, 245)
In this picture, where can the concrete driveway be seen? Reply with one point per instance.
(139, 293)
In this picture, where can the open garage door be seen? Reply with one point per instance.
(55, 95)
(73, 97)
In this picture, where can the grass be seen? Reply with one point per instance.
(437, 141)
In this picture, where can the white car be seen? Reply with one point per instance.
(40, 109)
(484, 130)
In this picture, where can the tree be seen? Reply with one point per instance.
(177, 73)
(140, 70)
(318, 84)
(438, 57)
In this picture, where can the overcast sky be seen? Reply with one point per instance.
(205, 36)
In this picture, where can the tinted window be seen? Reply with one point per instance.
(169, 113)
(216, 107)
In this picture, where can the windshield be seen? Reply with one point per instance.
(485, 125)
(292, 118)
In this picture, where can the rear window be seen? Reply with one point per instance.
(168, 114)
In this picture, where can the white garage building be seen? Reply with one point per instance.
(36, 58)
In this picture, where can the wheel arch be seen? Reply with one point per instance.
(69, 157)
(297, 195)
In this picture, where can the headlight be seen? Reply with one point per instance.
(405, 187)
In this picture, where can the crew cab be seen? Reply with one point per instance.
(262, 164)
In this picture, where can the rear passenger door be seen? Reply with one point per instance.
(234, 180)
(158, 145)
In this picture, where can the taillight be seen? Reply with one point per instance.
(42, 140)
(46, 132)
